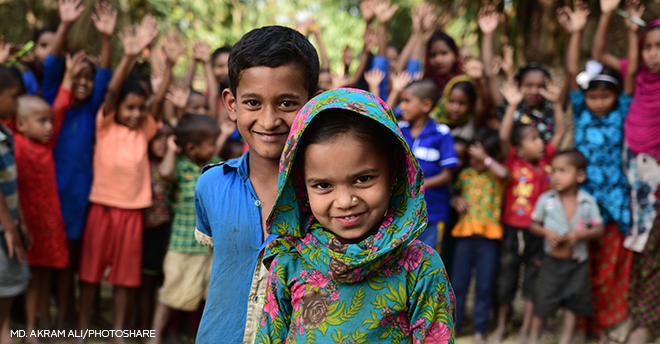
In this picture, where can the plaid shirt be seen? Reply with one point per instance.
(183, 226)
(8, 183)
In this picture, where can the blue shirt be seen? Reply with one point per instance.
(75, 145)
(229, 214)
(31, 83)
(434, 149)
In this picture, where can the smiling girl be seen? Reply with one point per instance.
(349, 208)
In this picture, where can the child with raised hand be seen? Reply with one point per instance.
(528, 160)
(348, 267)
(122, 188)
(37, 128)
(197, 102)
(14, 235)
(600, 104)
(565, 217)
(433, 146)
(187, 265)
(478, 231)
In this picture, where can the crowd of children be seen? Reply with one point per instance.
(323, 209)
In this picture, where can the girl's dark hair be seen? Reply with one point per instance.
(468, 88)
(38, 33)
(131, 86)
(606, 84)
(334, 122)
(442, 36)
(518, 132)
(489, 139)
(165, 130)
(143, 78)
(10, 77)
(217, 52)
(532, 67)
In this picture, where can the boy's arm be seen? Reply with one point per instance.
(325, 61)
(211, 84)
(69, 12)
(599, 50)
(475, 70)
(12, 234)
(633, 48)
(488, 22)
(172, 49)
(167, 166)
(552, 92)
(104, 20)
(577, 20)
(65, 97)
(513, 98)
(415, 40)
(190, 74)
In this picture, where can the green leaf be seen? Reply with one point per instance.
(284, 208)
(343, 314)
(311, 336)
(323, 327)
(374, 321)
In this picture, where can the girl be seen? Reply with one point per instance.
(599, 109)
(535, 109)
(121, 186)
(480, 187)
(349, 267)
(442, 61)
(34, 60)
(642, 137)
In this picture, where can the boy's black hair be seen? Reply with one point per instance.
(424, 89)
(442, 36)
(489, 139)
(130, 86)
(195, 129)
(223, 49)
(469, 90)
(532, 67)
(518, 133)
(143, 78)
(335, 122)
(596, 84)
(274, 46)
(38, 33)
(574, 157)
(10, 77)
(460, 140)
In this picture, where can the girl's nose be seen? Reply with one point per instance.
(344, 198)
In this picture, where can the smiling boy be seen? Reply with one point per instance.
(273, 71)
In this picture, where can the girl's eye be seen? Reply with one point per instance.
(322, 186)
(364, 179)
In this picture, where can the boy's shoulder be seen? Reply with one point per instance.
(217, 176)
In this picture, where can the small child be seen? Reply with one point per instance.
(480, 187)
(196, 102)
(187, 264)
(350, 206)
(529, 164)
(566, 218)
(122, 187)
(433, 147)
(37, 128)
(14, 271)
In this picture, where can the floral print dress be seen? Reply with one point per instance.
(388, 288)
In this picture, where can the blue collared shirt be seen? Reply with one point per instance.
(434, 149)
(229, 219)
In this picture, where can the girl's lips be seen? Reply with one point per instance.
(350, 220)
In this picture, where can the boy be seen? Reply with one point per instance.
(187, 264)
(273, 72)
(433, 147)
(566, 218)
(14, 271)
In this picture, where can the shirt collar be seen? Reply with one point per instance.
(581, 195)
(240, 164)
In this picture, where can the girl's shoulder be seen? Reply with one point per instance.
(422, 259)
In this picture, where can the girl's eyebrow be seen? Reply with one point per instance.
(355, 175)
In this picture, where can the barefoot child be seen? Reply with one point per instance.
(273, 72)
(349, 209)
(565, 218)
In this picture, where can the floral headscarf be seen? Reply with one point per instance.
(292, 218)
(439, 111)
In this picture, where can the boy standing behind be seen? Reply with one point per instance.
(433, 147)
(273, 72)
(187, 264)
(566, 218)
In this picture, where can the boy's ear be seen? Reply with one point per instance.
(20, 124)
(581, 176)
(230, 103)
(427, 105)
(189, 146)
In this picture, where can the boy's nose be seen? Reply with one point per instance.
(269, 119)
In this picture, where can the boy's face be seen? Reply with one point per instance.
(203, 152)
(412, 108)
(9, 101)
(37, 124)
(565, 175)
(197, 104)
(266, 102)
(531, 147)
(221, 67)
(43, 45)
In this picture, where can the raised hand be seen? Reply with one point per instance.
(227, 126)
(400, 80)
(129, 39)
(384, 11)
(507, 61)
(578, 17)
(634, 9)
(104, 19)
(173, 47)
(367, 10)
(428, 22)
(487, 19)
(374, 77)
(340, 81)
(418, 17)
(474, 69)
(511, 93)
(147, 31)
(178, 96)
(74, 63)
(70, 10)
(496, 65)
(202, 51)
(172, 146)
(563, 19)
(5, 50)
(477, 151)
(370, 39)
(609, 6)
(552, 90)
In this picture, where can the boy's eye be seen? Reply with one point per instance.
(251, 103)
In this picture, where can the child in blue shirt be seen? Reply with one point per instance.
(273, 72)
(433, 146)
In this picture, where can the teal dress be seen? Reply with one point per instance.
(389, 288)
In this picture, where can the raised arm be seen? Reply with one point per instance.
(70, 10)
(488, 22)
(373, 78)
(167, 166)
(104, 20)
(172, 49)
(202, 52)
(227, 127)
(325, 61)
(65, 98)
(475, 70)
(599, 50)
(399, 82)
(552, 92)
(634, 9)
(513, 97)
(477, 151)
(134, 39)
(384, 13)
(414, 40)
(577, 20)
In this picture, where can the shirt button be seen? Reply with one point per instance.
(257, 203)
(256, 299)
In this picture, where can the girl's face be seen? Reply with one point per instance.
(158, 146)
(458, 104)
(9, 101)
(43, 45)
(83, 83)
(132, 110)
(600, 101)
(349, 184)
(651, 50)
(442, 58)
(197, 104)
(530, 86)
(531, 146)
(461, 154)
